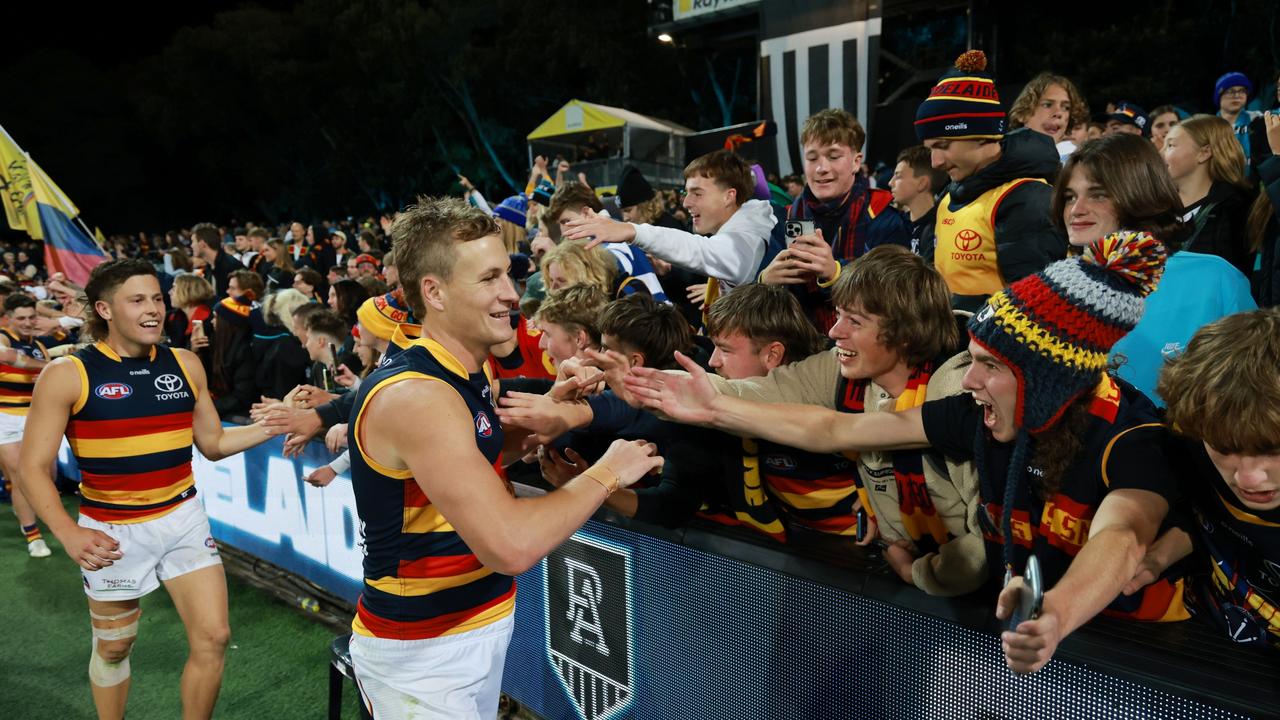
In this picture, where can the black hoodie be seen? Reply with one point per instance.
(1218, 226)
(1026, 239)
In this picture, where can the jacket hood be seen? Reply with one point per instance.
(1025, 153)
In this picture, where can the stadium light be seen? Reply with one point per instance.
(666, 38)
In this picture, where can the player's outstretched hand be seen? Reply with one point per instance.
(631, 460)
(281, 419)
(687, 398)
(91, 549)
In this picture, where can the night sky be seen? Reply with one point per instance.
(321, 109)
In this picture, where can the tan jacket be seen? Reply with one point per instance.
(959, 566)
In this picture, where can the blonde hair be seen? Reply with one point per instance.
(581, 266)
(650, 210)
(574, 308)
(279, 306)
(191, 290)
(512, 235)
(1226, 160)
(425, 237)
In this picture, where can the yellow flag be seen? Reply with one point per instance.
(21, 179)
(99, 237)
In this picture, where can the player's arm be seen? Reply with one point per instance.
(1123, 528)
(56, 393)
(12, 356)
(693, 399)
(507, 534)
(215, 441)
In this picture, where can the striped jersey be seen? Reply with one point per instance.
(1235, 572)
(420, 578)
(130, 431)
(816, 490)
(16, 383)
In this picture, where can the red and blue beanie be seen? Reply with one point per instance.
(1055, 328)
(964, 104)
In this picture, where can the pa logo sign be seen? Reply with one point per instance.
(589, 621)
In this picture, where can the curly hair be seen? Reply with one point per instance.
(1024, 106)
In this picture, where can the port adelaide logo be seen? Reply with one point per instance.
(589, 622)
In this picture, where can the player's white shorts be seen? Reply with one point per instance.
(454, 677)
(11, 428)
(154, 550)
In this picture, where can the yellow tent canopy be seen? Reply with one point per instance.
(578, 116)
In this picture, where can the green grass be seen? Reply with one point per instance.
(277, 665)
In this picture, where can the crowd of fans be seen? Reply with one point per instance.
(755, 278)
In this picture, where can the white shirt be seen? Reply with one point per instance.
(732, 255)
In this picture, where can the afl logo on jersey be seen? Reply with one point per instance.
(113, 391)
(484, 428)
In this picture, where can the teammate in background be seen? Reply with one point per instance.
(1224, 403)
(22, 357)
(443, 531)
(131, 410)
(1069, 459)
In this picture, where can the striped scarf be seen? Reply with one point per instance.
(915, 506)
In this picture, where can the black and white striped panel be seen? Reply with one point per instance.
(595, 696)
(808, 71)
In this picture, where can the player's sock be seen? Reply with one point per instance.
(32, 532)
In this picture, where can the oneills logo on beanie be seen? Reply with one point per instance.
(964, 105)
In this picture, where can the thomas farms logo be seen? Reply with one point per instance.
(588, 582)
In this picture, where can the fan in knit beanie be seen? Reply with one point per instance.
(964, 105)
(1054, 329)
(382, 314)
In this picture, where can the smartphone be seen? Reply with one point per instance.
(796, 228)
(325, 381)
(1032, 597)
(860, 533)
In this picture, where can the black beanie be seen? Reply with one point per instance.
(633, 189)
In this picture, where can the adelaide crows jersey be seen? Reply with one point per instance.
(420, 578)
(130, 431)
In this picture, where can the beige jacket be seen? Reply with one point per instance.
(959, 566)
